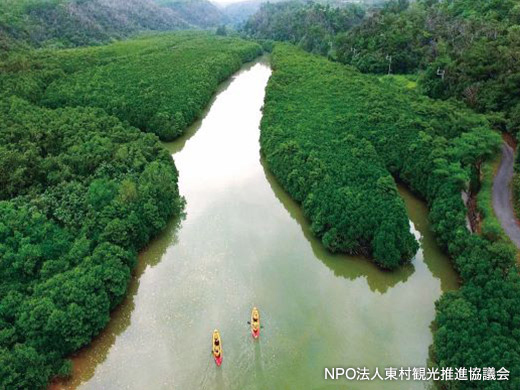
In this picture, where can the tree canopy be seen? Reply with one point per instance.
(467, 49)
(158, 83)
(83, 194)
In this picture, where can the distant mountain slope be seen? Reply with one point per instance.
(200, 13)
(66, 23)
(238, 13)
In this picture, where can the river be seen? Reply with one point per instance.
(244, 242)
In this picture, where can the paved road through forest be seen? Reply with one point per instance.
(502, 196)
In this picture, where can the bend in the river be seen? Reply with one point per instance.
(244, 242)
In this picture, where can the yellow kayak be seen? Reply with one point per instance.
(255, 323)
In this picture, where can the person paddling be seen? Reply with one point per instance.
(255, 323)
(216, 349)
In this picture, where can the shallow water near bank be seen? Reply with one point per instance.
(244, 242)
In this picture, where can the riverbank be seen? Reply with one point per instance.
(435, 154)
(86, 189)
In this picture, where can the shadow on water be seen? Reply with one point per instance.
(86, 360)
(349, 267)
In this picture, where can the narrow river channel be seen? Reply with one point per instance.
(244, 242)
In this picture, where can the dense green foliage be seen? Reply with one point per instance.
(432, 146)
(475, 43)
(385, 33)
(350, 198)
(158, 83)
(75, 22)
(467, 49)
(82, 194)
(85, 190)
(313, 26)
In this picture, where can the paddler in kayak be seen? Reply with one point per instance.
(217, 347)
(255, 322)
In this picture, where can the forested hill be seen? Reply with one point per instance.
(311, 25)
(239, 12)
(463, 48)
(67, 23)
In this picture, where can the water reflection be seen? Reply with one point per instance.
(353, 267)
(434, 259)
(349, 267)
